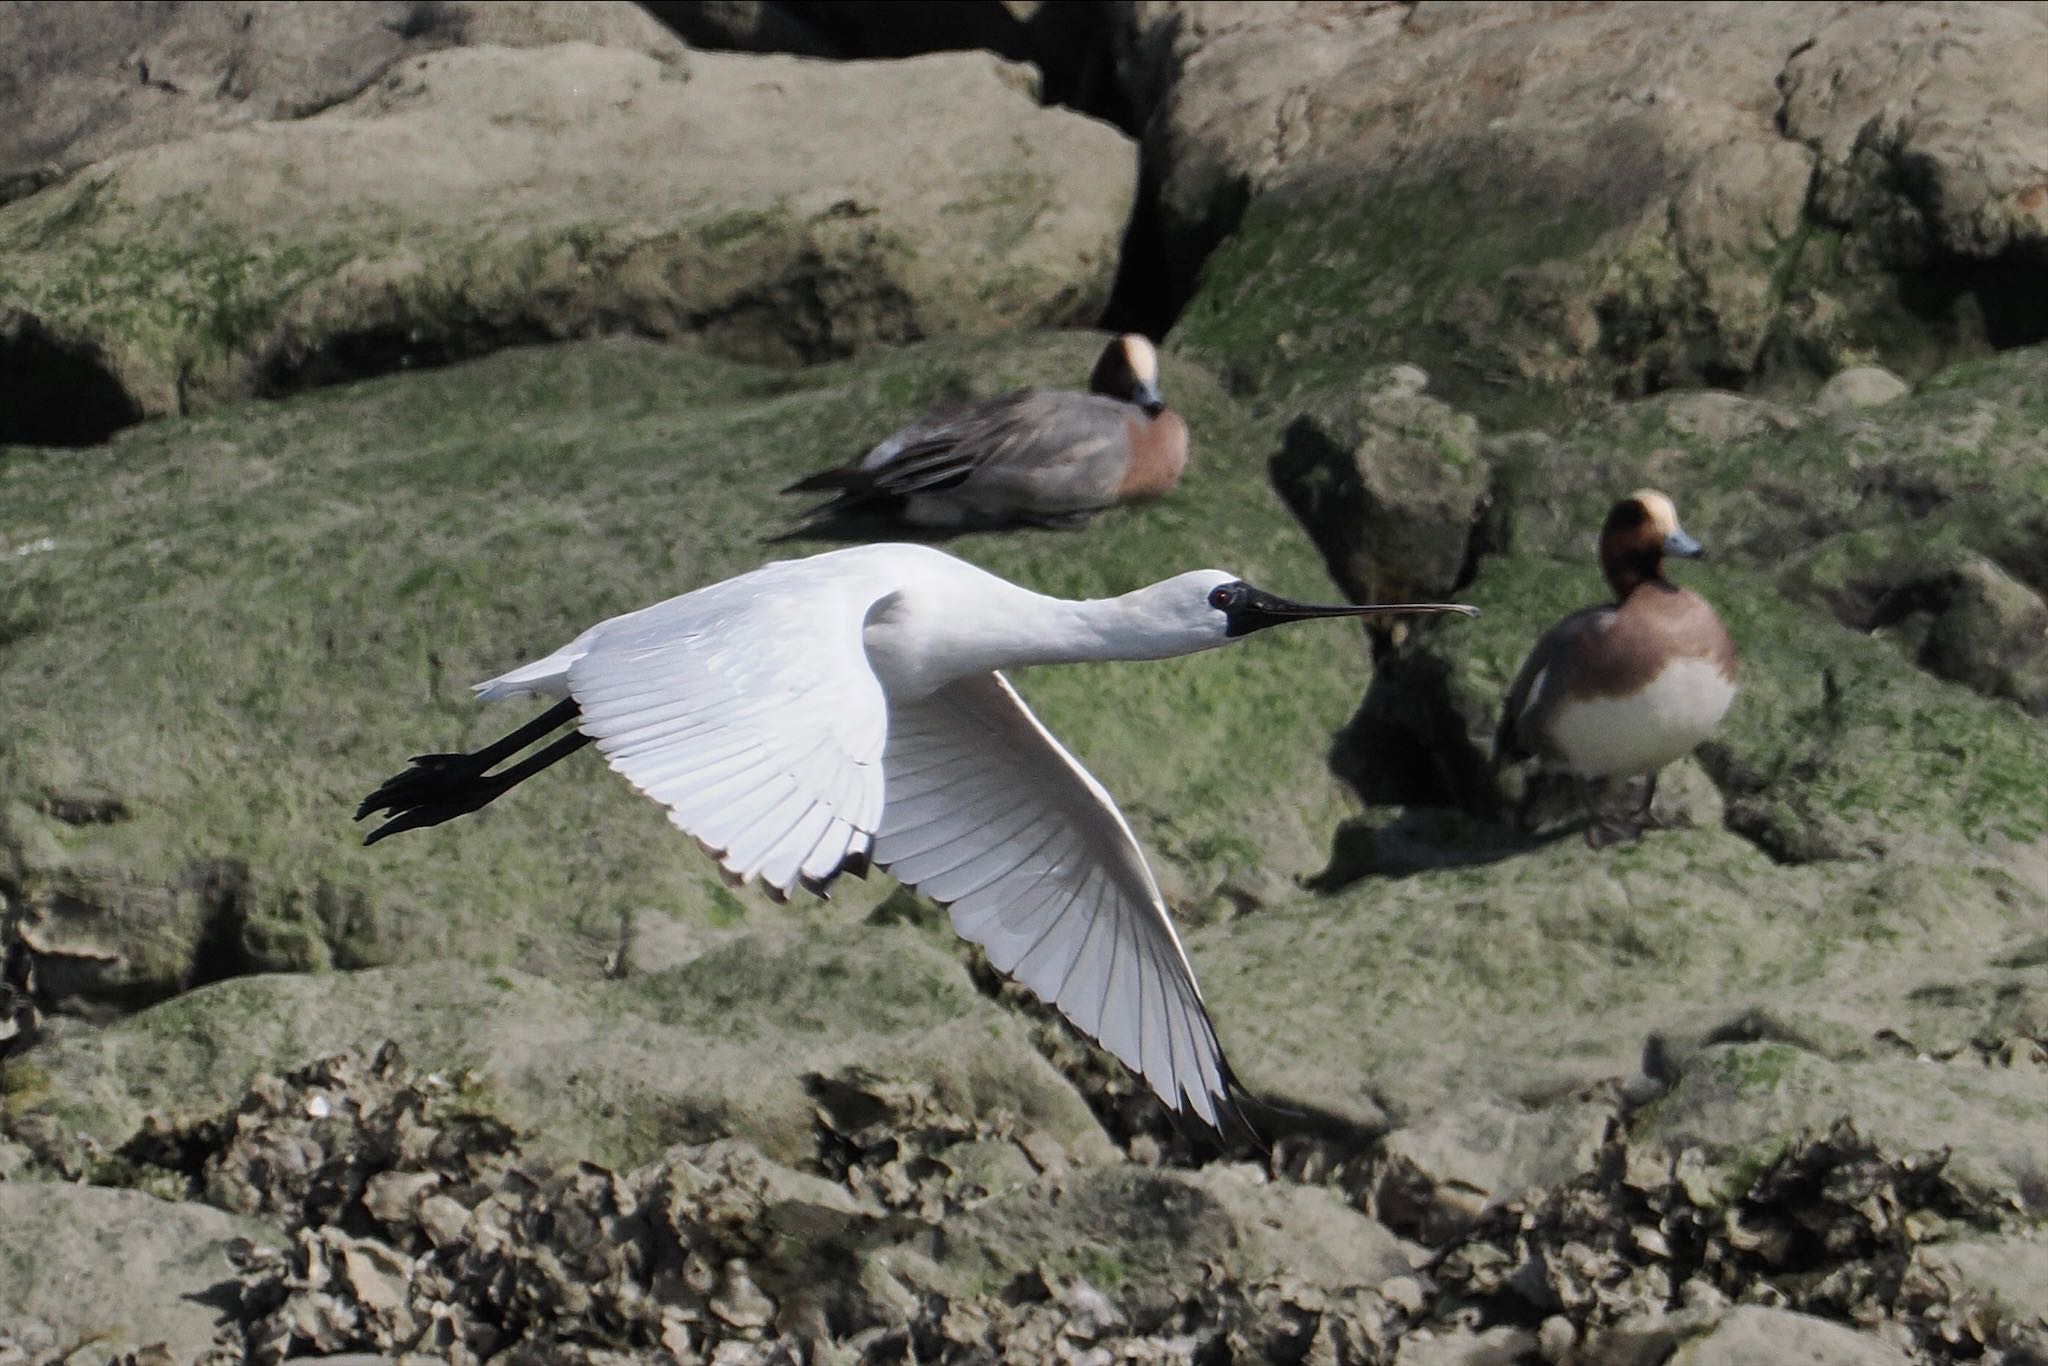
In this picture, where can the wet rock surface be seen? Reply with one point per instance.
(1442, 282)
(480, 197)
(142, 75)
(407, 1220)
(1530, 197)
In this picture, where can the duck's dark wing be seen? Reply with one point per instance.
(1040, 440)
(1542, 681)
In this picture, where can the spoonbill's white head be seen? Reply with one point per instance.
(1205, 608)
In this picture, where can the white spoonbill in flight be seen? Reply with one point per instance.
(814, 716)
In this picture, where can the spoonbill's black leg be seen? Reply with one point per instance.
(440, 787)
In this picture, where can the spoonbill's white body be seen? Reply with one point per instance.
(815, 715)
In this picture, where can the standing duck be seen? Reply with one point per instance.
(1621, 689)
(1041, 457)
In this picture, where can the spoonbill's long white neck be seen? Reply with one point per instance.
(952, 620)
(932, 634)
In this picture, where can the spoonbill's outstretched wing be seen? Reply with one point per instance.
(750, 711)
(988, 814)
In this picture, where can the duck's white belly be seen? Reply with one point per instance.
(1609, 737)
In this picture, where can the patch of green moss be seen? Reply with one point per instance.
(1304, 294)
(1755, 1066)
(23, 1087)
(1099, 1266)
(1737, 1171)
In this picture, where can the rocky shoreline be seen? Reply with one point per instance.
(352, 353)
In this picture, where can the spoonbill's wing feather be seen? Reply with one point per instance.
(988, 814)
(750, 711)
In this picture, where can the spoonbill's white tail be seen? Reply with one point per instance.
(816, 715)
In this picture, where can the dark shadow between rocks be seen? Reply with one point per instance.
(54, 393)
(21, 1016)
(373, 351)
(1408, 745)
(222, 888)
(1424, 839)
(1070, 44)
(1996, 302)
(1143, 298)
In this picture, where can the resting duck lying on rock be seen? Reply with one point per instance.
(1045, 457)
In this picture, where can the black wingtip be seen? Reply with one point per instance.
(1232, 1132)
(1230, 1109)
(824, 481)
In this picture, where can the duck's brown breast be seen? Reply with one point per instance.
(1158, 454)
(1658, 624)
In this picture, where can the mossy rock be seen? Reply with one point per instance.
(729, 1044)
(1312, 288)
(1145, 1235)
(1530, 310)
(169, 1261)
(1539, 978)
(1742, 1103)
(1962, 462)
(1878, 873)
(488, 196)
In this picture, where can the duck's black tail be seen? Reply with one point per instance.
(440, 787)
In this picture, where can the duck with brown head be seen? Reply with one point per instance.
(1041, 457)
(1619, 690)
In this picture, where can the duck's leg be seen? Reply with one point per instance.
(1646, 819)
(1606, 828)
(1524, 803)
(1601, 830)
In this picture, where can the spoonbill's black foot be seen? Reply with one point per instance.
(433, 779)
(440, 787)
(437, 788)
